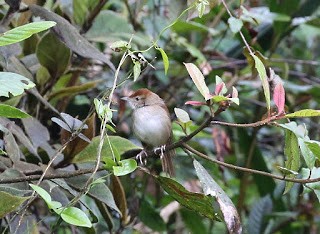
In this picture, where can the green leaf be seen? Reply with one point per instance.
(89, 153)
(201, 8)
(313, 174)
(103, 110)
(13, 83)
(100, 107)
(12, 147)
(42, 193)
(120, 46)
(235, 24)
(70, 35)
(182, 115)
(150, 217)
(55, 58)
(303, 113)
(307, 153)
(14, 191)
(81, 10)
(111, 128)
(75, 216)
(182, 27)
(23, 32)
(136, 70)
(314, 146)
(260, 16)
(258, 213)
(117, 27)
(292, 126)
(120, 198)
(299, 130)
(245, 144)
(54, 205)
(193, 50)
(165, 60)
(100, 191)
(264, 79)
(210, 187)
(198, 79)
(219, 98)
(193, 221)
(72, 90)
(195, 201)
(127, 166)
(12, 112)
(115, 153)
(9, 203)
(292, 153)
(235, 100)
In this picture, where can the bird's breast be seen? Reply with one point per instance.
(152, 125)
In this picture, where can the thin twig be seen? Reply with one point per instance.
(103, 128)
(296, 61)
(175, 21)
(247, 125)
(248, 170)
(241, 34)
(33, 195)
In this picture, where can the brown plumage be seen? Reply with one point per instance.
(151, 123)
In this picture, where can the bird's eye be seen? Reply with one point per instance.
(137, 98)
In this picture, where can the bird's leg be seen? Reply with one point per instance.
(142, 157)
(162, 149)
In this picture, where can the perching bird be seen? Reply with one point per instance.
(152, 125)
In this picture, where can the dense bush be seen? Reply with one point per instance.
(240, 80)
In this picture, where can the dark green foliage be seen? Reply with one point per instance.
(246, 77)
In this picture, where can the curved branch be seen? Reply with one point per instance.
(248, 170)
(252, 125)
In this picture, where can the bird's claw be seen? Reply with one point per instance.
(142, 157)
(162, 150)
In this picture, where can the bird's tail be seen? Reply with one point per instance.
(167, 160)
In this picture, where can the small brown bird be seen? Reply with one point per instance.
(152, 125)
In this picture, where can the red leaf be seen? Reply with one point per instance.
(219, 88)
(195, 103)
(279, 97)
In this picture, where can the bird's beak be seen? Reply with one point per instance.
(125, 98)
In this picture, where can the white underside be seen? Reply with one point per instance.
(152, 129)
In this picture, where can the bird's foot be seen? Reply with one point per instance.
(142, 157)
(162, 149)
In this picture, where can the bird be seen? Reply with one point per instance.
(151, 124)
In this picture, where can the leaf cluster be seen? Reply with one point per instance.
(240, 80)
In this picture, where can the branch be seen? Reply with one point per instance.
(61, 174)
(187, 138)
(248, 170)
(132, 17)
(252, 125)
(93, 14)
(241, 34)
(33, 195)
(209, 122)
